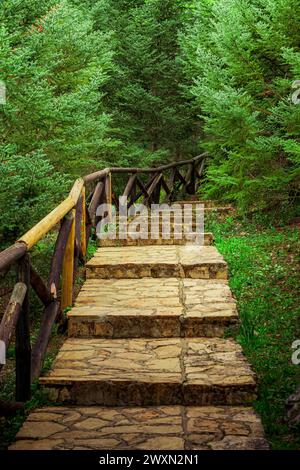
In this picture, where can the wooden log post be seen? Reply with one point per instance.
(199, 173)
(88, 229)
(78, 225)
(83, 243)
(77, 246)
(95, 201)
(133, 193)
(151, 189)
(23, 347)
(167, 190)
(40, 287)
(12, 313)
(68, 268)
(40, 347)
(108, 195)
(12, 254)
(130, 190)
(180, 178)
(190, 186)
(129, 186)
(9, 409)
(157, 190)
(80, 232)
(58, 256)
(172, 185)
(115, 201)
(99, 217)
(193, 183)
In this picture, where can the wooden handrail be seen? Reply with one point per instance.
(118, 170)
(12, 312)
(37, 232)
(45, 225)
(74, 220)
(12, 254)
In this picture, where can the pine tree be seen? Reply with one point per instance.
(152, 118)
(54, 66)
(243, 60)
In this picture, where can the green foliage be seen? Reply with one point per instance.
(54, 123)
(54, 66)
(93, 83)
(243, 58)
(264, 276)
(152, 118)
(29, 188)
(89, 83)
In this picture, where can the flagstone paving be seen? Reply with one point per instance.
(149, 307)
(195, 371)
(147, 364)
(165, 427)
(134, 239)
(199, 262)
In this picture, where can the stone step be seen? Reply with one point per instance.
(132, 240)
(190, 261)
(156, 218)
(183, 215)
(214, 205)
(151, 428)
(196, 200)
(151, 372)
(149, 307)
(179, 223)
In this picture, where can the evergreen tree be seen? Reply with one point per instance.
(97, 82)
(243, 58)
(54, 66)
(152, 118)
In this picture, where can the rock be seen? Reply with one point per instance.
(293, 409)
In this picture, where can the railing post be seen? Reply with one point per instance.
(108, 194)
(23, 347)
(96, 201)
(191, 179)
(172, 185)
(199, 172)
(68, 268)
(83, 225)
(156, 192)
(133, 193)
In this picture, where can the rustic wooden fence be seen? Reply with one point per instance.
(74, 220)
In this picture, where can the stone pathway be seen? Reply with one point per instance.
(146, 365)
(154, 308)
(164, 427)
(195, 371)
(191, 261)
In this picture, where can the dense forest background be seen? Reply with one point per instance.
(92, 83)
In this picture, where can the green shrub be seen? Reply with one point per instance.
(29, 189)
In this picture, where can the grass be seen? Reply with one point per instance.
(10, 426)
(264, 276)
(41, 259)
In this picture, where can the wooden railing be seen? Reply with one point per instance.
(77, 217)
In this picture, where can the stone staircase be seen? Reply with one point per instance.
(146, 365)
